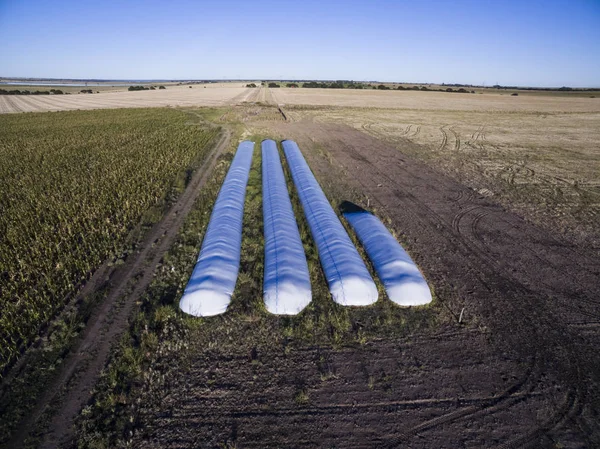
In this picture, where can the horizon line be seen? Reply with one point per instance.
(517, 86)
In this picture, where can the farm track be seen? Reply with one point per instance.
(499, 264)
(80, 370)
(456, 139)
(444, 138)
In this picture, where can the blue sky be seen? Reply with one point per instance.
(534, 43)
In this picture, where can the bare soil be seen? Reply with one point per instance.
(520, 370)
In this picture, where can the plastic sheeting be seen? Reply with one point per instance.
(349, 280)
(403, 281)
(211, 285)
(286, 282)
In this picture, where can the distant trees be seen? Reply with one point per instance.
(273, 85)
(27, 92)
(314, 84)
(291, 85)
(161, 87)
(333, 85)
(86, 91)
(134, 88)
(383, 87)
(251, 85)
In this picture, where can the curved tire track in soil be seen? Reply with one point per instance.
(569, 410)
(456, 139)
(444, 138)
(514, 393)
(81, 368)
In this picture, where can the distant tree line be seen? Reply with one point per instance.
(554, 89)
(134, 88)
(333, 85)
(27, 92)
(251, 85)
(425, 88)
(272, 85)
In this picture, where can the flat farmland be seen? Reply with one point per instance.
(198, 95)
(488, 102)
(536, 154)
(496, 199)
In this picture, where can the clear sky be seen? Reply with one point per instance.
(511, 42)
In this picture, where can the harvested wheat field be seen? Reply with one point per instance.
(197, 95)
(489, 102)
(535, 154)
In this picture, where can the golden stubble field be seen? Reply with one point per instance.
(536, 154)
(211, 94)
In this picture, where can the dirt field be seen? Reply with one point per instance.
(520, 370)
(199, 95)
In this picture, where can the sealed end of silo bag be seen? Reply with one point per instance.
(204, 302)
(403, 282)
(349, 280)
(213, 279)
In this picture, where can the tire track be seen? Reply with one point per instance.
(475, 225)
(570, 409)
(506, 399)
(190, 411)
(456, 139)
(444, 138)
(417, 132)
